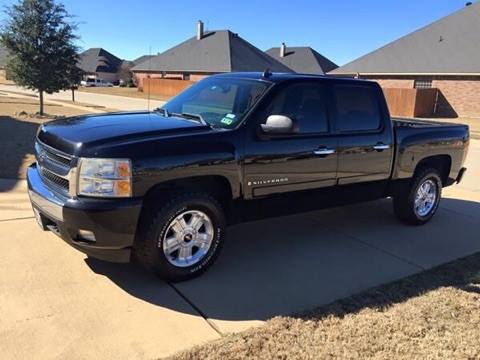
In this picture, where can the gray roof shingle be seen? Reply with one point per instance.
(99, 60)
(450, 45)
(303, 59)
(218, 51)
(141, 59)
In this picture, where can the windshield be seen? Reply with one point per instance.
(220, 102)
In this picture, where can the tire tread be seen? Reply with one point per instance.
(146, 252)
(405, 195)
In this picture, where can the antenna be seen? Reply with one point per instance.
(148, 76)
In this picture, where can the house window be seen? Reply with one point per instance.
(423, 84)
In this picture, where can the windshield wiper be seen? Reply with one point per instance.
(185, 115)
(165, 111)
(192, 116)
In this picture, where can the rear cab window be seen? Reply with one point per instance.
(356, 108)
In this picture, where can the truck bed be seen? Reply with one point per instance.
(417, 139)
(419, 123)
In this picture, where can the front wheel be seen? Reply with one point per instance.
(416, 203)
(182, 238)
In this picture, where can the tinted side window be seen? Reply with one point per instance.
(357, 108)
(305, 104)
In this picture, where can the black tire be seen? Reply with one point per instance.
(148, 247)
(404, 198)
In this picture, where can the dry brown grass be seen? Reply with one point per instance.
(3, 79)
(88, 106)
(432, 315)
(17, 132)
(14, 105)
(122, 91)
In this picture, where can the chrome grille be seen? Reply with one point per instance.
(60, 159)
(54, 167)
(54, 179)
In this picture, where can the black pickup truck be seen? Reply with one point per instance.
(163, 185)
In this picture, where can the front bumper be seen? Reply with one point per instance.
(112, 221)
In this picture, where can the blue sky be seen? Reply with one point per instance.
(341, 30)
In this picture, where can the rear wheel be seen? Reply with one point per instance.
(182, 238)
(417, 202)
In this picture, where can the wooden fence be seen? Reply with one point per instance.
(411, 102)
(164, 87)
(401, 102)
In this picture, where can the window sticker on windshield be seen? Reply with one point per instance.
(226, 121)
(230, 116)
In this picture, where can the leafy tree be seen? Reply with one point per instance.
(40, 40)
(125, 73)
(74, 76)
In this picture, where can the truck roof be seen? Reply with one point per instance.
(277, 77)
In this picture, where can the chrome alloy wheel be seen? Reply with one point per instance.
(425, 198)
(188, 238)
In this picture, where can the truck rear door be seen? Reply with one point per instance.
(365, 137)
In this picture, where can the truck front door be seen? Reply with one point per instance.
(306, 159)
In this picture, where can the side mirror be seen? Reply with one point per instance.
(278, 124)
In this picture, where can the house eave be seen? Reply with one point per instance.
(179, 71)
(351, 73)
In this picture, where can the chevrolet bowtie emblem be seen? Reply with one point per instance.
(41, 155)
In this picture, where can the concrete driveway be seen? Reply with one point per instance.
(56, 303)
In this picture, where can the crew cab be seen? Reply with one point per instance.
(162, 186)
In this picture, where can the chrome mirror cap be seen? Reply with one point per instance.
(278, 124)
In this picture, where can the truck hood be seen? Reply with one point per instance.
(70, 134)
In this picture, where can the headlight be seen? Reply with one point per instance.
(105, 177)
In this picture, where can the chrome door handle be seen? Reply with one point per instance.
(324, 151)
(381, 147)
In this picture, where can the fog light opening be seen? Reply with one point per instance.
(86, 235)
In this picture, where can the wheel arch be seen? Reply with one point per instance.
(215, 185)
(442, 163)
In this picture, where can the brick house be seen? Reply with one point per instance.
(444, 55)
(101, 64)
(207, 53)
(302, 59)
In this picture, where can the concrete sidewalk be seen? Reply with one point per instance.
(56, 303)
(121, 103)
